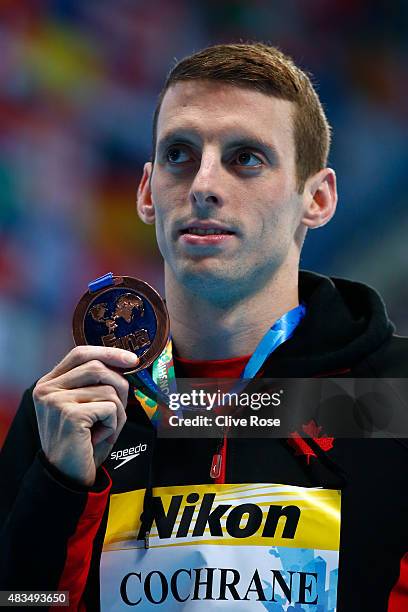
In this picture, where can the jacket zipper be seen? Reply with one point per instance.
(218, 462)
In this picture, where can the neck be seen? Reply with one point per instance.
(202, 329)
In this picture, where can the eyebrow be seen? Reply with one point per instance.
(181, 136)
(252, 142)
(190, 138)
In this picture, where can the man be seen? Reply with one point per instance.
(237, 178)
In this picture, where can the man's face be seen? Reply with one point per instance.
(223, 187)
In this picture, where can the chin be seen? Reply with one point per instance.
(210, 276)
(202, 269)
(213, 283)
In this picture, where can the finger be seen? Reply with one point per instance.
(105, 420)
(98, 393)
(101, 393)
(111, 356)
(90, 374)
(95, 393)
(122, 418)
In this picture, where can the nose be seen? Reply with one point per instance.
(206, 188)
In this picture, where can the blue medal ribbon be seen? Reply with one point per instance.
(281, 330)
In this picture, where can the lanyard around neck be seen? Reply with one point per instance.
(162, 382)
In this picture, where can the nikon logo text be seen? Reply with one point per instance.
(241, 521)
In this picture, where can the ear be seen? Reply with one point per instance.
(320, 198)
(145, 206)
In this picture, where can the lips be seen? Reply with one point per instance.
(200, 231)
(200, 228)
(205, 234)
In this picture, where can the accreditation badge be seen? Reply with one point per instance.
(223, 547)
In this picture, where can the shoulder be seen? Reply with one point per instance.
(391, 359)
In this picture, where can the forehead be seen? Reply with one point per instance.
(218, 110)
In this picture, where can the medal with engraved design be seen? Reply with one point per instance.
(123, 312)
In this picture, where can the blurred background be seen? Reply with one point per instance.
(78, 85)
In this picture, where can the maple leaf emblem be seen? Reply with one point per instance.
(300, 444)
(313, 430)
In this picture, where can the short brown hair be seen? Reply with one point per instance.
(266, 69)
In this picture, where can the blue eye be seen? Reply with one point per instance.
(248, 159)
(177, 155)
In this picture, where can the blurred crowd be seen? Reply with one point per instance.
(78, 84)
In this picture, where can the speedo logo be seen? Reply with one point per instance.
(234, 521)
(127, 454)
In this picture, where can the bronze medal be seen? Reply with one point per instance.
(129, 314)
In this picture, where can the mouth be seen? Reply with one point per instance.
(201, 231)
(205, 235)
